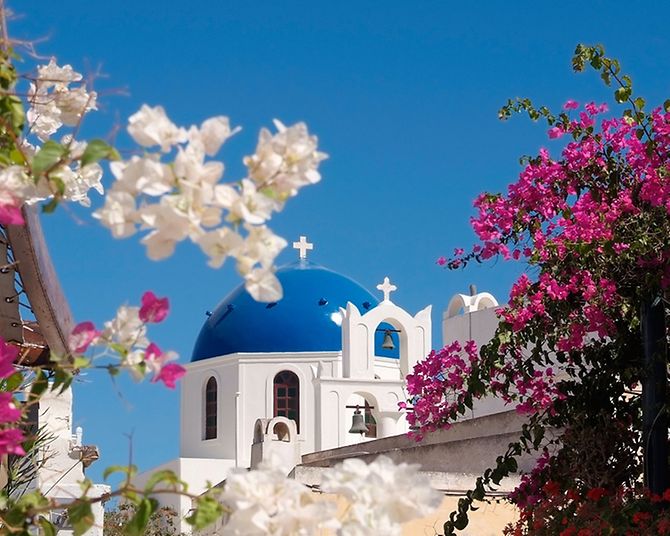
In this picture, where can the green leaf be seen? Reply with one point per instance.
(622, 94)
(49, 207)
(161, 476)
(50, 153)
(47, 527)
(207, 511)
(16, 157)
(461, 521)
(128, 470)
(97, 150)
(12, 383)
(81, 517)
(40, 385)
(81, 362)
(140, 520)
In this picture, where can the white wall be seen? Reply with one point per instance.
(334, 394)
(257, 373)
(197, 472)
(193, 443)
(479, 326)
(62, 470)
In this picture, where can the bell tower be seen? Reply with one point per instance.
(358, 335)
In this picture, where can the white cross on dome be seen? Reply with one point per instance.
(387, 287)
(303, 247)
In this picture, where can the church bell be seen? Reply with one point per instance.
(358, 423)
(387, 344)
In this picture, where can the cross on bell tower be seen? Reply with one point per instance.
(303, 246)
(387, 287)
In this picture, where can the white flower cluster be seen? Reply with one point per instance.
(126, 334)
(264, 502)
(174, 193)
(17, 187)
(53, 103)
(381, 497)
(185, 199)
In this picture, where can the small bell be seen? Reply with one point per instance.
(358, 423)
(388, 340)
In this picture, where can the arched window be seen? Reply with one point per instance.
(211, 408)
(287, 396)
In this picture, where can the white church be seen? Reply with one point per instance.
(285, 379)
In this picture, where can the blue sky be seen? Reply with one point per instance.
(404, 99)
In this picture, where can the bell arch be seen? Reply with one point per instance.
(369, 408)
(388, 342)
(358, 337)
(462, 303)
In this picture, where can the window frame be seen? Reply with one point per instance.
(283, 403)
(211, 398)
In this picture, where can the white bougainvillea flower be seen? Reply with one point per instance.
(142, 175)
(150, 126)
(219, 244)
(190, 166)
(372, 509)
(78, 182)
(285, 161)
(127, 330)
(261, 246)
(43, 117)
(213, 133)
(172, 221)
(263, 285)
(245, 204)
(53, 103)
(74, 103)
(14, 184)
(264, 502)
(51, 75)
(119, 214)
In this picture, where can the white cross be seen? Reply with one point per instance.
(387, 287)
(303, 246)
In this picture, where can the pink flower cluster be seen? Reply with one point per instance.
(589, 220)
(529, 491)
(437, 387)
(11, 435)
(152, 358)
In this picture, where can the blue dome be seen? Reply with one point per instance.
(307, 319)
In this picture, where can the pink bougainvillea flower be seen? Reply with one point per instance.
(10, 442)
(82, 336)
(8, 410)
(153, 309)
(169, 375)
(153, 353)
(571, 105)
(10, 214)
(8, 354)
(441, 261)
(556, 132)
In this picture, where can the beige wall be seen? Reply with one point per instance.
(488, 520)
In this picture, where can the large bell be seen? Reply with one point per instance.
(387, 344)
(358, 423)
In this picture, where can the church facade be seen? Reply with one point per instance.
(285, 379)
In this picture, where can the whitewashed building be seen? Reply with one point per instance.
(284, 379)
